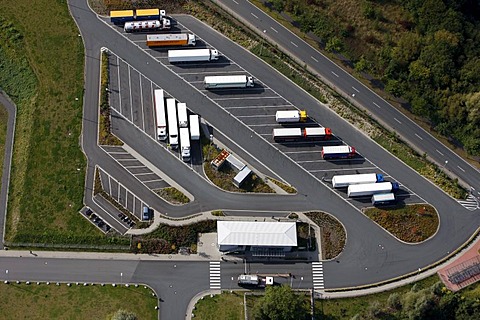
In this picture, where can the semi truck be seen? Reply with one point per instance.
(120, 17)
(149, 14)
(368, 189)
(172, 123)
(291, 116)
(182, 115)
(192, 55)
(295, 134)
(185, 144)
(383, 198)
(220, 82)
(171, 39)
(147, 25)
(160, 115)
(343, 181)
(338, 152)
(254, 281)
(194, 127)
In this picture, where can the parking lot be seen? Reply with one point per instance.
(255, 107)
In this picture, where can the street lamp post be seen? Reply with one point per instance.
(121, 277)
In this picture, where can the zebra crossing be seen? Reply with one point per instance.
(215, 280)
(317, 275)
(470, 203)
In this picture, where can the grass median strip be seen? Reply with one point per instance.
(410, 223)
(22, 301)
(3, 134)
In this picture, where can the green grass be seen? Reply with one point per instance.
(332, 231)
(410, 223)
(173, 195)
(227, 306)
(3, 134)
(21, 301)
(218, 213)
(42, 71)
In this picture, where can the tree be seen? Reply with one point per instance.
(123, 315)
(280, 303)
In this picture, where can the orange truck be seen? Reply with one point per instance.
(171, 39)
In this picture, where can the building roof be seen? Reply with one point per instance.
(251, 233)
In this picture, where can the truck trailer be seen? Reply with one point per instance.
(368, 189)
(383, 198)
(291, 116)
(160, 115)
(121, 16)
(182, 115)
(192, 55)
(149, 14)
(220, 82)
(296, 134)
(171, 39)
(338, 152)
(185, 144)
(147, 25)
(172, 123)
(343, 181)
(194, 127)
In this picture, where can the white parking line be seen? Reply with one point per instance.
(235, 1)
(296, 152)
(253, 15)
(314, 59)
(439, 152)
(377, 105)
(141, 103)
(351, 169)
(397, 120)
(119, 91)
(254, 107)
(274, 29)
(355, 89)
(264, 125)
(211, 72)
(336, 75)
(293, 44)
(244, 98)
(460, 168)
(419, 137)
(258, 116)
(131, 102)
(310, 161)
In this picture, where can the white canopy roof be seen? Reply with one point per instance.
(250, 233)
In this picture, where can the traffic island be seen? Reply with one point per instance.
(409, 223)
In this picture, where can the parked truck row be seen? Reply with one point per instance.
(176, 129)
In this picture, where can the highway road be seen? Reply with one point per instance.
(354, 90)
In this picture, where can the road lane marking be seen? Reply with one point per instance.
(419, 137)
(336, 75)
(293, 44)
(235, 1)
(274, 29)
(460, 168)
(314, 59)
(355, 89)
(439, 152)
(253, 15)
(377, 105)
(397, 120)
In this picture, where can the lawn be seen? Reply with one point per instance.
(3, 133)
(410, 223)
(47, 177)
(227, 306)
(21, 301)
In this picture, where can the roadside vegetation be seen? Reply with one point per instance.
(172, 195)
(332, 231)
(22, 301)
(425, 299)
(3, 134)
(410, 223)
(47, 177)
(168, 239)
(287, 188)
(105, 135)
(223, 178)
(218, 213)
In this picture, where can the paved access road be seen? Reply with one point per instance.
(343, 82)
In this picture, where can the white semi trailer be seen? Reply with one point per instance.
(192, 55)
(368, 189)
(194, 127)
(172, 123)
(160, 115)
(185, 144)
(343, 181)
(291, 116)
(220, 82)
(182, 115)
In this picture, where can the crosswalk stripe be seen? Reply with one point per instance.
(215, 275)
